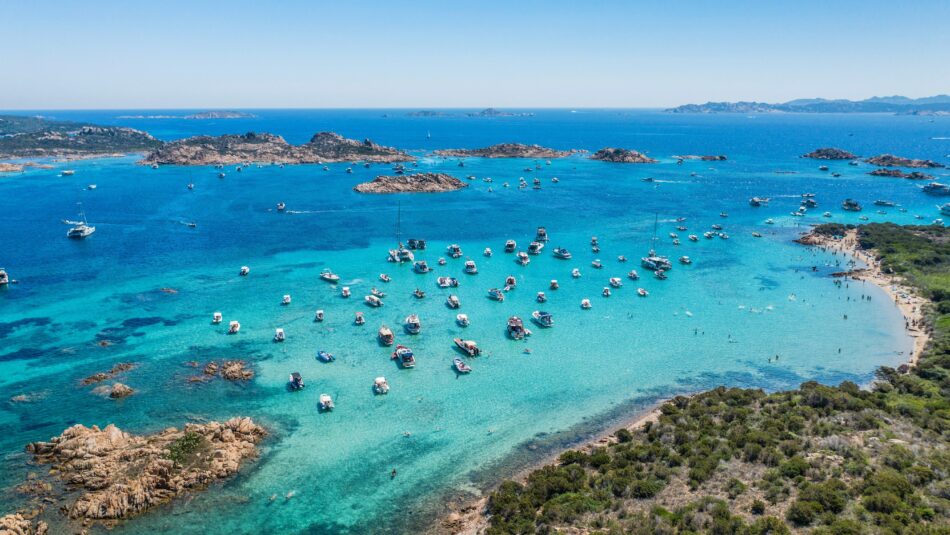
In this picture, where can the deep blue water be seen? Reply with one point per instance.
(714, 322)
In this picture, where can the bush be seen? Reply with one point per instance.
(803, 513)
(794, 467)
(758, 507)
(182, 448)
(624, 435)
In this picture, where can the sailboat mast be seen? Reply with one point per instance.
(398, 222)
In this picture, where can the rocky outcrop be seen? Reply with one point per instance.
(268, 148)
(829, 153)
(417, 183)
(230, 370)
(10, 167)
(111, 474)
(17, 524)
(889, 160)
(120, 390)
(105, 376)
(621, 156)
(507, 150)
(897, 173)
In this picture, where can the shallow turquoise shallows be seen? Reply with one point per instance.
(721, 320)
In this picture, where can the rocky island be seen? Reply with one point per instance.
(829, 153)
(894, 104)
(417, 183)
(703, 158)
(507, 150)
(492, 112)
(897, 173)
(109, 474)
(621, 156)
(226, 114)
(31, 137)
(268, 148)
(889, 160)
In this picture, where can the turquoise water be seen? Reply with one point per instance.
(714, 322)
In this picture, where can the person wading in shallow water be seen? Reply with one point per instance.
(392, 474)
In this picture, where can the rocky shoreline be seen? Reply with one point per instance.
(507, 150)
(897, 173)
(829, 153)
(416, 183)
(889, 160)
(621, 156)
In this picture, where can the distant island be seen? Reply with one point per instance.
(416, 183)
(507, 150)
(889, 160)
(621, 156)
(487, 112)
(829, 153)
(201, 115)
(270, 148)
(37, 137)
(429, 113)
(897, 104)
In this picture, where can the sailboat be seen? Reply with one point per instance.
(80, 229)
(652, 261)
(401, 253)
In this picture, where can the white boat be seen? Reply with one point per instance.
(685, 260)
(295, 382)
(460, 366)
(462, 320)
(384, 277)
(770, 221)
(945, 208)
(541, 298)
(522, 258)
(441, 261)
(516, 328)
(585, 304)
(380, 386)
(329, 276)
(452, 301)
(756, 234)
(318, 316)
(447, 282)
(386, 336)
(80, 229)
(67, 172)
(404, 357)
(693, 237)
(279, 335)
(244, 271)
(421, 267)
(215, 318)
(542, 318)
(535, 247)
(496, 294)
(615, 282)
(596, 264)
(469, 347)
(91, 187)
(413, 325)
(642, 293)
(454, 250)
(606, 291)
(487, 251)
(345, 291)
(510, 282)
(234, 327)
(281, 206)
(470, 267)
(510, 246)
(373, 301)
(326, 403)
(359, 320)
(633, 274)
(541, 235)
(562, 253)
(826, 214)
(554, 285)
(576, 273)
(285, 300)
(660, 274)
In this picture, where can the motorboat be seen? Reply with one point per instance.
(460, 366)
(621, 259)
(945, 209)
(416, 243)
(318, 316)
(723, 214)
(215, 318)
(386, 336)
(554, 285)
(441, 261)
(642, 293)
(380, 386)
(285, 300)
(404, 357)
(936, 188)
(462, 320)
(452, 301)
(522, 258)
(345, 291)
(596, 264)
(756, 234)
(454, 250)
(681, 228)
(686, 259)
(633, 274)
(487, 252)
(234, 327)
(562, 253)
(535, 247)
(770, 221)
(279, 335)
(419, 294)
(605, 292)
(281, 207)
(595, 249)
(329, 276)
(826, 214)
(881, 202)
(326, 402)
(693, 237)
(295, 382)
(447, 282)
(822, 167)
(716, 227)
(67, 172)
(709, 235)
(542, 318)
(585, 304)
(676, 241)
(516, 328)
(541, 298)
(758, 201)
(576, 273)
(593, 241)
(325, 356)
(221, 175)
(660, 274)
(373, 301)
(510, 246)
(385, 278)
(421, 267)
(91, 187)
(359, 319)
(809, 202)
(674, 236)
(469, 347)
(496, 294)
(244, 271)
(510, 282)
(470, 267)
(615, 282)
(541, 235)
(851, 205)
(413, 325)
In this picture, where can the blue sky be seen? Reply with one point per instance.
(368, 53)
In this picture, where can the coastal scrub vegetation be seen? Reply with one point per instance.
(828, 460)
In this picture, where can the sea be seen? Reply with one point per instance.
(752, 312)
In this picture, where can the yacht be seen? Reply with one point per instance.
(413, 325)
(452, 301)
(285, 300)
(585, 304)
(851, 205)
(244, 271)
(469, 347)
(522, 258)
(541, 298)
(296, 381)
(373, 301)
(621, 259)
(234, 327)
(936, 188)
(80, 229)
(421, 267)
(615, 282)
(758, 201)
(693, 237)
(470, 267)
(279, 335)
(454, 250)
(535, 247)
(345, 292)
(554, 285)
(460, 366)
(318, 316)
(326, 402)
(542, 318)
(633, 274)
(496, 294)
(359, 319)
(605, 292)
(510, 282)
(329, 276)
(404, 357)
(386, 336)
(447, 282)
(516, 328)
(215, 318)
(686, 259)
(462, 320)
(541, 235)
(380, 386)
(281, 206)
(487, 252)
(642, 293)
(881, 202)
(576, 273)
(510, 246)
(562, 253)
(653, 261)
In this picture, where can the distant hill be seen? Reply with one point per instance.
(24, 136)
(893, 104)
